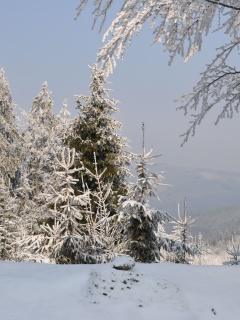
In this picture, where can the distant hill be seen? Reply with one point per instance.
(204, 189)
(213, 200)
(217, 225)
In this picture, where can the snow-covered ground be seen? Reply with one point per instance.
(166, 291)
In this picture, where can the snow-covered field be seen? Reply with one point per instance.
(30, 291)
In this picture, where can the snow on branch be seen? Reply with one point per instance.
(224, 5)
(220, 82)
(181, 26)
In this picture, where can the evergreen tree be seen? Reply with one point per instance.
(9, 158)
(233, 251)
(26, 217)
(8, 221)
(143, 230)
(201, 248)
(186, 247)
(41, 142)
(95, 131)
(56, 239)
(8, 132)
(64, 238)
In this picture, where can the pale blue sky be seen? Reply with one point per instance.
(40, 41)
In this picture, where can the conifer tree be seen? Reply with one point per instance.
(186, 248)
(9, 158)
(143, 230)
(233, 251)
(8, 221)
(95, 131)
(40, 142)
(56, 239)
(8, 132)
(64, 238)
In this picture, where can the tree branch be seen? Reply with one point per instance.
(223, 4)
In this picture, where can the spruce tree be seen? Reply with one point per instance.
(8, 132)
(186, 248)
(95, 132)
(143, 230)
(9, 159)
(40, 142)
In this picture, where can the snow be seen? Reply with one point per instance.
(149, 291)
(123, 263)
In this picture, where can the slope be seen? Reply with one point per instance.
(149, 291)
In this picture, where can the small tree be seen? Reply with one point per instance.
(187, 248)
(8, 221)
(4, 197)
(201, 248)
(69, 238)
(65, 237)
(143, 231)
(26, 217)
(234, 253)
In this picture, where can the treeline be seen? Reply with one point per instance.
(64, 191)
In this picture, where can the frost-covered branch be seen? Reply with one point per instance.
(223, 4)
(220, 82)
(181, 26)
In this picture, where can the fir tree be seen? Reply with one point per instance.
(40, 142)
(233, 251)
(8, 221)
(95, 131)
(64, 237)
(186, 248)
(9, 136)
(68, 239)
(72, 240)
(143, 230)
(57, 239)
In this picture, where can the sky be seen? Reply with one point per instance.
(41, 41)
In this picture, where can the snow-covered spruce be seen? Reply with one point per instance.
(142, 227)
(63, 238)
(95, 131)
(233, 251)
(9, 137)
(69, 237)
(9, 161)
(185, 247)
(41, 142)
(7, 221)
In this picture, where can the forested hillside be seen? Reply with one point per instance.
(204, 188)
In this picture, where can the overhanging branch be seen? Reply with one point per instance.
(223, 4)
